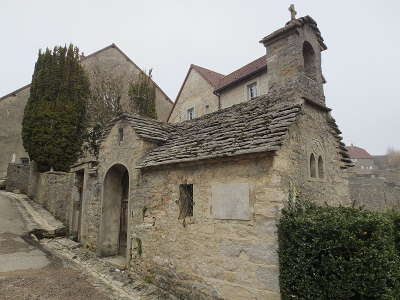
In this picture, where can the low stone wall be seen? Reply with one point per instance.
(17, 177)
(377, 190)
(53, 192)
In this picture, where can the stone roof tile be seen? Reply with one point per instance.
(146, 128)
(260, 125)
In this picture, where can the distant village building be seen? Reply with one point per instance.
(361, 158)
(373, 183)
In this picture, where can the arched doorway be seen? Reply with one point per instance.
(114, 226)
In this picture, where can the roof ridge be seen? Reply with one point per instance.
(242, 72)
(203, 72)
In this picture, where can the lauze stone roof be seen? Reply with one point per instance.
(146, 128)
(260, 125)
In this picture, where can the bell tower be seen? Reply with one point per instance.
(294, 57)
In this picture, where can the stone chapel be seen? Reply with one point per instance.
(194, 203)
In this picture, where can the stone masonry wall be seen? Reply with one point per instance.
(377, 190)
(54, 193)
(17, 177)
(203, 257)
(11, 114)
(114, 63)
(126, 153)
(312, 134)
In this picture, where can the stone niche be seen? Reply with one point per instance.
(231, 201)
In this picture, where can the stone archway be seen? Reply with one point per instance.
(114, 219)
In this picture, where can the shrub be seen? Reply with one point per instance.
(142, 95)
(395, 216)
(337, 253)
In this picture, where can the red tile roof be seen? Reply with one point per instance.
(212, 77)
(219, 81)
(357, 152)
(260, 64)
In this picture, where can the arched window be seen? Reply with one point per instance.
(320, 167)
(313, 170)
(310, 68)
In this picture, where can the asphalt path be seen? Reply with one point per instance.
(29, 272)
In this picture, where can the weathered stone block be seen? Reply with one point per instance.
(231, 201)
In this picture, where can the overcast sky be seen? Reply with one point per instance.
(361, 65)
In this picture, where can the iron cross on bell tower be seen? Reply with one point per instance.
(293, 12)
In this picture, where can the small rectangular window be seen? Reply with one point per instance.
(185, 201)
(190, 114)
(120, 135)
(252, 91)
(25, 160)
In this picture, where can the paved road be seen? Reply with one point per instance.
(28, 272)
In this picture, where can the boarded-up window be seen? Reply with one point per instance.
(185, 201)
(231, 201)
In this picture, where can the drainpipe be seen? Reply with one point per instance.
(219, 99)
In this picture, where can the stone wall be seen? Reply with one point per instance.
(377, 190)
(18, 177)
(113, 152)
(313, 135)
(238, 93)
(205, 256)
(196, 92)
(114, 63)
(11, 115)
(54, 193)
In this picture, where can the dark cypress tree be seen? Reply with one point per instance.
(53, 126)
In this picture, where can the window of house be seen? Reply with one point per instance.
(185, 201)
(320, 168)
(25, 160)
(313, 171)
(252, 91)
(120, 135)
(190, 114)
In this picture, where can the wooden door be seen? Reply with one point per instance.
(123, 230)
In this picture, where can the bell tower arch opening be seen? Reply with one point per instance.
(310, 67)
(114, 219)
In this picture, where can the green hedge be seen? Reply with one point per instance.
(395, 216)
(338, 253)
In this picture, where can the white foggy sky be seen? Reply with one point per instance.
(361, 64)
